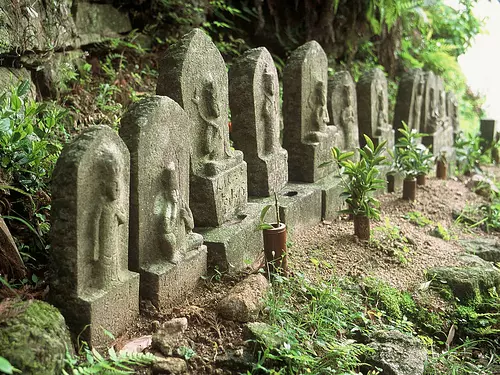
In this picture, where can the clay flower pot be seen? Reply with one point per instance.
(441, 170)
(421, 179)
(410, 188)
(362, 227)
(275, 248)
(391, 183)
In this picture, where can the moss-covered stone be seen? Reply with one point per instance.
(33, 337)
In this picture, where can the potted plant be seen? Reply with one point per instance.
(441, 166)
(360, 180)
(408, 159)
(424, 163)
(274, 236)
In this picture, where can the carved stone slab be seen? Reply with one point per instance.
(306, 136)
(373, 108)
(255, 115)
(161, 221)
(409, 100)
(343, 110)
(194, 74)
(89, 235)
(452, 111)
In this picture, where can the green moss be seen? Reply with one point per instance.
(33, 337)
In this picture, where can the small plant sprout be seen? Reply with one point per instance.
(360, 180)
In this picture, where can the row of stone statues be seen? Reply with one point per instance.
(131, 212)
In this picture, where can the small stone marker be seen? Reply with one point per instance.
(161, 223)
(306, 136)
(89, 236)
(373, 108)
(409, 100)
(193, 73)
(343, 110)
(255, 115)
(452, 111)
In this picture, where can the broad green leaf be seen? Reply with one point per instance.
(5, 125)
(5, 366)
(23, 88)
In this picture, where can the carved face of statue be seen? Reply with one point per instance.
(113, 189)
(268, 84)
(421, 86)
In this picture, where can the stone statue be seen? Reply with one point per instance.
(208, 107)
(382, 120)
(174, 212)
(347, 117)
(270, 114)
(417, 106)
(319, 114)
(109, 216)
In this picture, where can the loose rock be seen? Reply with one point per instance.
(245, 300)
(485, 248)
(170, 365)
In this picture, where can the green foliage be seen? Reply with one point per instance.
(29, 138)
(6, 367)
(441, 232)
(417, 218)
(484, 216)
(388, 238)
(360, 179)
(469, 153)
(411, 157)
(91, 361)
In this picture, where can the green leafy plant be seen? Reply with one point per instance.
(441, 232)
(262, 220)
(388, 238)
(418, 218)
(7, 368)
(92, 362)
(360, 179)
(411, 158)
(469, 153)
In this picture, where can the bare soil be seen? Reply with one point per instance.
(322, 252)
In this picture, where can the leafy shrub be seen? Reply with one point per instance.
(411, 157)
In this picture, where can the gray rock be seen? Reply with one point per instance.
(343, 110)
(467, 284)
(255, 116)
(169, 338)
(175, 326)
(10, 77)
(33, 337)
(485, 248)
(306, 135)
(97, 22)
(482, 185)
(89, 236)
(397, 353)
(263, 333)
(373, 108)
(162, 241)
(452, 111)
(170, 366)
(193, 73)
(409, 100)
(245, 300)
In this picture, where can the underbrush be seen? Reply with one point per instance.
(326, 328)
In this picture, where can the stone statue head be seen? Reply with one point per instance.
(171, 182)
(211, 98)
(109, 169)
(268, 83)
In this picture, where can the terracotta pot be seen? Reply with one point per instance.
(362, 227)
(421, 179)
(410, 189)
(441, 170)
(391, 183)
(275, 248)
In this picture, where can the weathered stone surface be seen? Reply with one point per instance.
(306, 136)
(409, 100)
(236, 244)
(97, 22)
(397, 353)
(468, 284)
(170, 366)
(33, 337)
(193, 73)
(482, 185)
(343, 110)
(485, 248)
(10, 77)
(245, 300)
(299, 205)
(35, 25)
(89, 236)
(331, 202)
(488, 130)
(373, 106)
(161, 221)
(452, 111)
(264, 333)
(255, 116)
(11, 263)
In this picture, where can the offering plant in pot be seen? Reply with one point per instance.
(360, 180)
(424, 163)
(274, 236)
(408, 159)
(441, 166)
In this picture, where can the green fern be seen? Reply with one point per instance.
(115, 364)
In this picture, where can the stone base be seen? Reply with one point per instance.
(267, 175)
(235, 245)
(114, 310)
(166, 284)
(299, 205)
(215, 199)
(331, 203)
